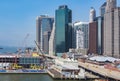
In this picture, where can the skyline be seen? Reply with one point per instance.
(18, 18)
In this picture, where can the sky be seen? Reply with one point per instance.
(18, 17)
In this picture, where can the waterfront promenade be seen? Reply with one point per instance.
(101, 70)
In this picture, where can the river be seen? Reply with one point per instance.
(29, 77)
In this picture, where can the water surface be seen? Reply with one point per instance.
(29, 77)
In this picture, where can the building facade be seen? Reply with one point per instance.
(63, 31)
(79, 39)
(100, 34)
(92, 14)
(81, 35)
(96, 32)
(52, 42)
(102, 9)
(44, 26)
(112, 29)
(93, 37)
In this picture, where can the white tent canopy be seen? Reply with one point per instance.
(103, 59)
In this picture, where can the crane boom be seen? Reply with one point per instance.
(39, 48)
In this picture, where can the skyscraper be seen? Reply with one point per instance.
(99, 34)
(79, 39)
(44, 26)
(63, 32)
(112, 29)
(92, 14)
(93, 37)
(102, 9)
(111, 5)
(96, 32)
(81, 34)
(52, 42)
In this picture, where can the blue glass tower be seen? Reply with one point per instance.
(63, 32)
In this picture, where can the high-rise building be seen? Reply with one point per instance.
(102, 9)
(52, 42)
(63, 32)
(93, 37)
(111, 5)
(99, 34)
(73, 37)
(92, 14)
(79, 39)
(81, 34)
(44, 26)
(112, 29)
(96, 32)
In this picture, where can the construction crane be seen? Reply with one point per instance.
(24, 44)
(44, 59)
(39, 48)
(25, 41)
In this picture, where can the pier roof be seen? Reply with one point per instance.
(103, 59)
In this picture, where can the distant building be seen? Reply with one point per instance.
(96, 32)
(93, 37)
(73, 37)
(52, 42)
(100, 34)
(92, 14)
(63, 32)
(102, 9)
(112, 29)
(81, 34)
(79, 39)
(44, 26)
(110, 5)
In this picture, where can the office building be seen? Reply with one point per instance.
(100, 34)
(63, 32)
(52, 42)
(44, 26)
(112, 29)
(81, 34)
(102, 9)
(92, 14)
(79, 39)
(110, 5)
(93, 37)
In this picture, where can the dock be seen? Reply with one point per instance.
(115, 75)
(57, 75)
(23, 71)
(54, 74)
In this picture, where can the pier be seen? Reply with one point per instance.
(115, 75)
(97, 70)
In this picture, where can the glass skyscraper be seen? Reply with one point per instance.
(99, 34)
(102, 9)
(44, 26)
(63, 32)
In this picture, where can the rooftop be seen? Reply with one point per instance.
(103, 59)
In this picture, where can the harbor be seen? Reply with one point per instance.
(31, 77)
(59, 68)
